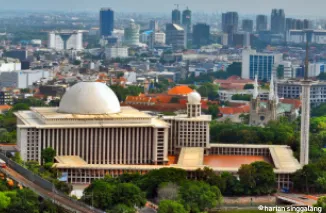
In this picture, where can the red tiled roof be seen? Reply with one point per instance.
(295, 102)
(234, 110)
(5, 107)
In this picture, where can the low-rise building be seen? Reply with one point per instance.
(22, 79)
(116, 52)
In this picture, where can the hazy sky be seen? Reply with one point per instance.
(292, 7)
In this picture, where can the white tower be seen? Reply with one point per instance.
(305, 114)
(194, 105)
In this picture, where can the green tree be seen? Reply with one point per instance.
(151, 181)
(264, 177)
(48, 155)
(322, 76)
(129, 195)
(248, 86)
(4, 201)
(20, 106)
(241, 97)
(170, 206)
(121, 208)
(198, 196)
(321, 202)
(247, 178)
(24, 200)
(17, 158)
(167, 191)
(209, 90)
(306, 178)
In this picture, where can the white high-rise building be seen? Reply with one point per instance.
(131, 34)
(116, 52)
(65, 40)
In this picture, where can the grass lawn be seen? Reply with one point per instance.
(324, 149)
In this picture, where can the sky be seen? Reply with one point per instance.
(310, 8)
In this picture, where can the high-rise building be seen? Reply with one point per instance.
(248, 25)
(153, 25)
(131, 34)
(260, 64)
(200, 35)
(186, 20)
(65, 40)
(261, 23)
(230, 21)
(289, 24)
(176, 16)
(278, 21)
(106, 22)
(306, 24)
(175, 36)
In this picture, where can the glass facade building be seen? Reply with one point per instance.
(106, 21)
(261, 65)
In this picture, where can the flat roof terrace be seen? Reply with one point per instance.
(232, 161)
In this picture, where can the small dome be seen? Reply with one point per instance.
(194, 98)
(89, 98)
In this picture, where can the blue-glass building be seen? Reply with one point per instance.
(261, 65)
(106, 22)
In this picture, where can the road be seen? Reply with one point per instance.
(298, 199)
(62, 201)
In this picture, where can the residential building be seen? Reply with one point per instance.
(230, 22)
(116, 52)
(22, 79)
(261, 23)
(292, 89)
(299, 36)
(260, 64)
(175, 36)
(200, 35)
(278, 21)
(248, 25)
(6, 98)
(65, 40)
(106, 21)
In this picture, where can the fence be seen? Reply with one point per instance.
(44, 183)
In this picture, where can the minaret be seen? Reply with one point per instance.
(272, 100)
(305, 111)
(194, 105)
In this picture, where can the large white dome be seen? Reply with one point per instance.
(194, 98)
(89, 98)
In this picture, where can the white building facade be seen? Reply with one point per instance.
(65, 40)
(116, 52)
(22, 79)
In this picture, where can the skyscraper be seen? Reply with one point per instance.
(306, 24)
(278, 21)
(176, 16)
(247, 25)
(131, 34)
(175, 36)
(153, 25)
(200, 35)
(261, 23)
(230, 21)
(106, 21)
(186, 19)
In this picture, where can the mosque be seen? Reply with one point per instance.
(93, 136)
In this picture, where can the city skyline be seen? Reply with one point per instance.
(250, 7)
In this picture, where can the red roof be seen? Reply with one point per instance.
(5, 107)
(295, 102)
(234, 110)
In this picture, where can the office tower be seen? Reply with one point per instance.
(248, 25)
(260, 64)
(299, 25)
(175, 36)
(306, 24)
(278, 21)
(186, 19)
(200, 35)
(289, 24)
(261, 23)
(176, 16)
(153, 25)
(230, 22)
(106, 21)
(131, 34)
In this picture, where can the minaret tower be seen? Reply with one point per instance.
(305, 110)
(194, 105)
(272, 100)
(255, 96)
